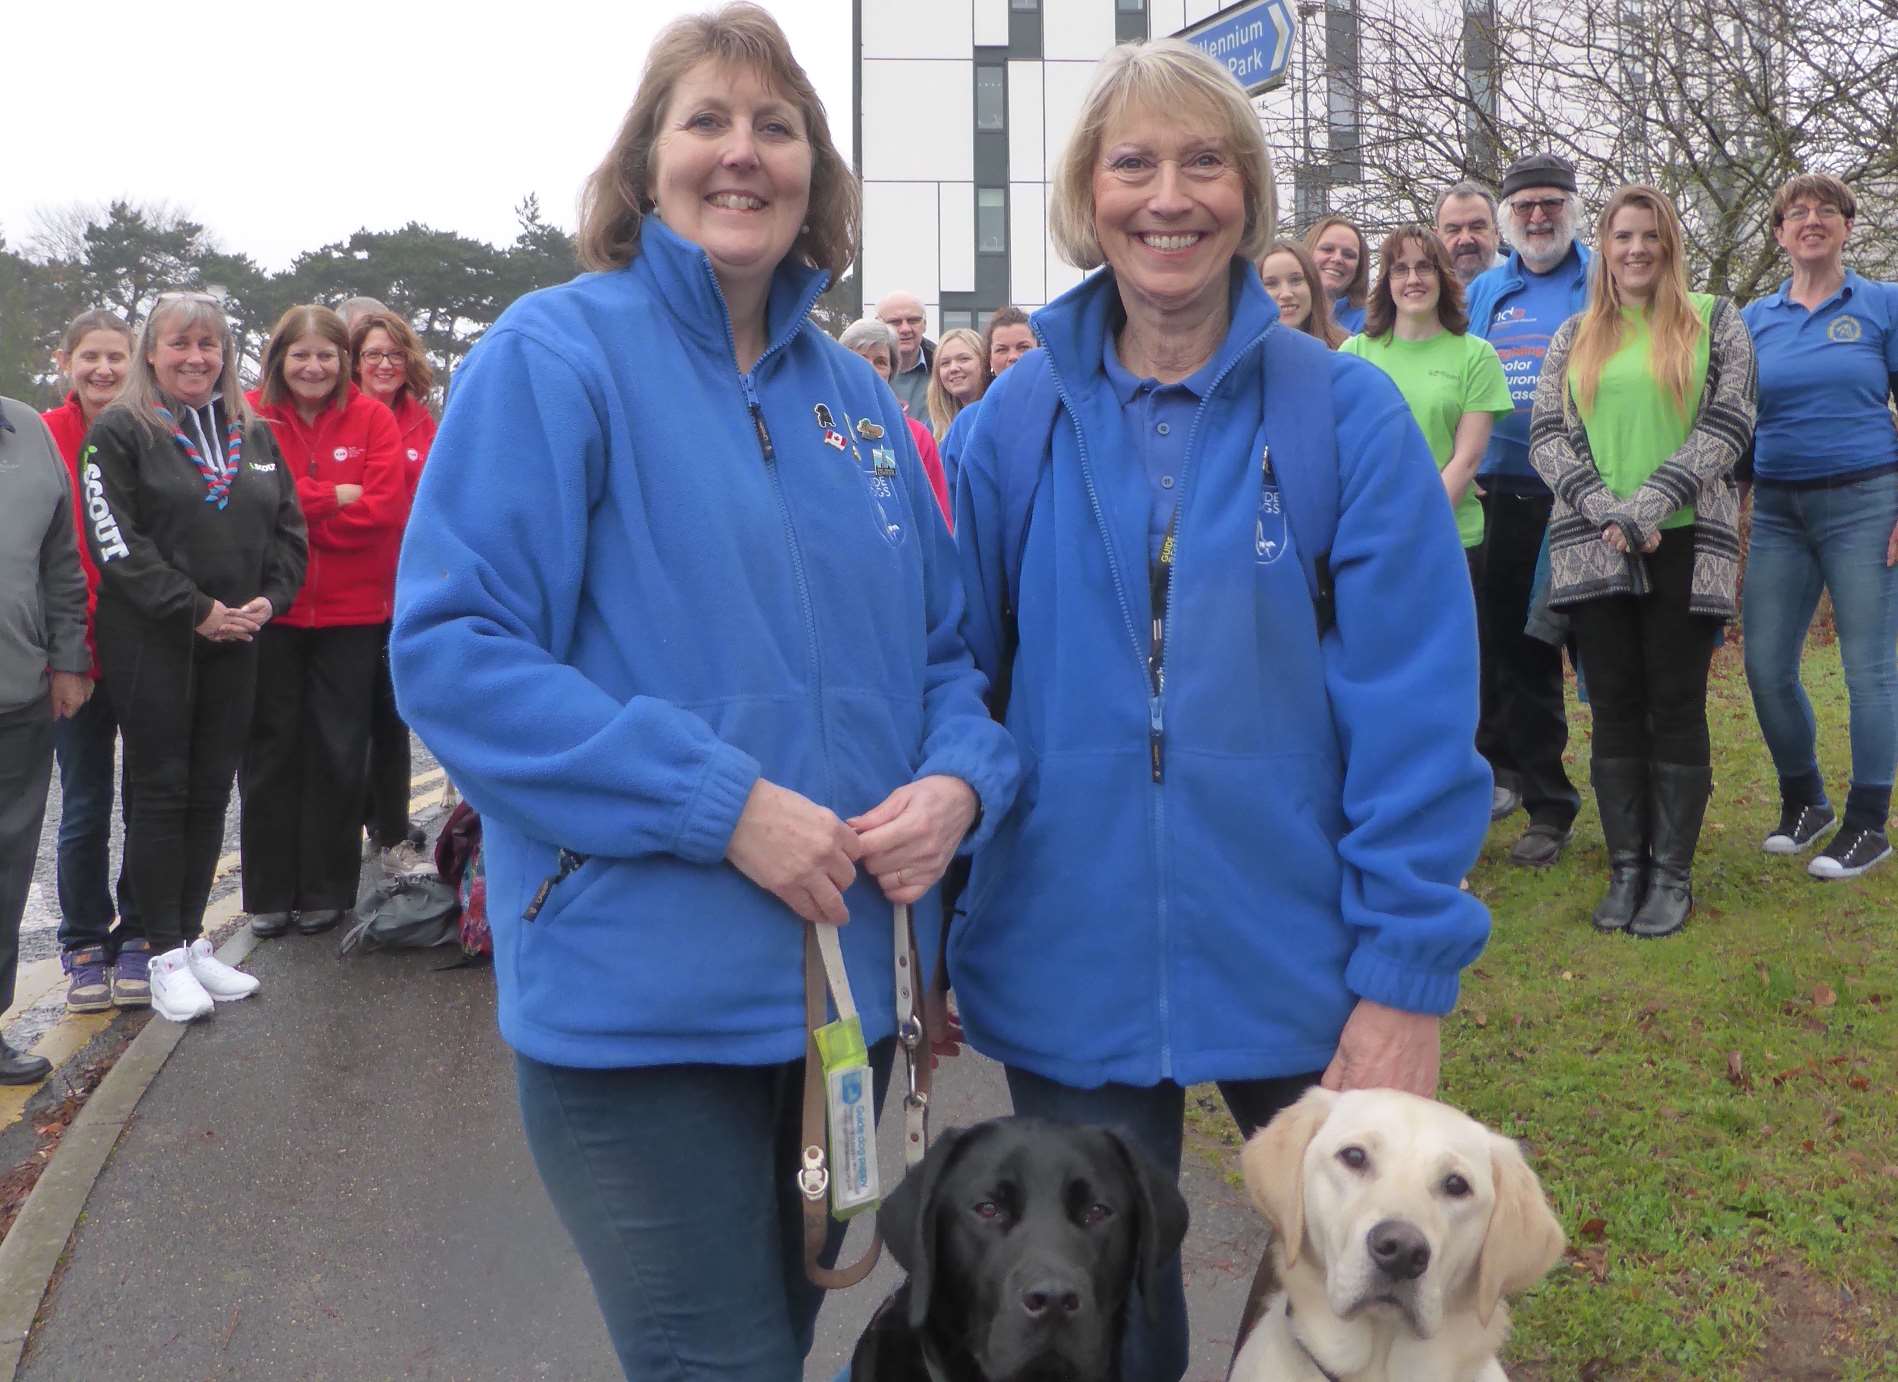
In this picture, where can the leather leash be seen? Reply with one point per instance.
(823, 975)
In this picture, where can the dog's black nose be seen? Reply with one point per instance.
(1399, 1249)
(1051, 1301)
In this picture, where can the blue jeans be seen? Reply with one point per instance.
(1152, 1118)
(85, 745)
(675, 1183)
(1805, 540)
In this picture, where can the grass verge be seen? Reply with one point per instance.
(1714, 1115)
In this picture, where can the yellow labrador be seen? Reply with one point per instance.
(1399, 1225)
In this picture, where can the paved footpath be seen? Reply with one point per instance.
(328, 1182)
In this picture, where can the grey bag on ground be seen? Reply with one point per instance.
(410, 911)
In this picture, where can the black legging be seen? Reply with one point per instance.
(1646, 663)
(184, 706)
(387, 810)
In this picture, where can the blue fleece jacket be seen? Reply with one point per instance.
(1518, 311)
(1321, 795)
(635, 581)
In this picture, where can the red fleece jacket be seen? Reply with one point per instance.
(351, 577)
(417, 426)
(67, 423)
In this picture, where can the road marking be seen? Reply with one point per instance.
(44, 979)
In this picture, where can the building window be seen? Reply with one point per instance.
(991, 220)
(991, 99)
(1131, 6)
(954, 317)
(1028, 6)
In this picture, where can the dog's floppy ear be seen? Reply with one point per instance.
(906, 1219)
(1162, 1226)
(1274, 1160)
(1524, 1238)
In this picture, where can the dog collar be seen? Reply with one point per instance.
(1323, 1371)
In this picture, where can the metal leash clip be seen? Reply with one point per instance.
(813, 1180)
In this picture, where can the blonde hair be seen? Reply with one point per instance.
(291, 327)
(943, 405)
(618, 195)
(141, 394)
(1674, 326)
(1169, 77)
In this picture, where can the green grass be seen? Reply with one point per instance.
(1713, 1115)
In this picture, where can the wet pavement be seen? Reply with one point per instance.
(329, 1181)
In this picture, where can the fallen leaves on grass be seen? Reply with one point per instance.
(1736, 1070)
(1823, 996)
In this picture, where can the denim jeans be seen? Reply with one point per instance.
(86, 745)
(1805, 540)
(1153, 1119)
(675, 1183)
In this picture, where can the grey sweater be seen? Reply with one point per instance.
(42, 585)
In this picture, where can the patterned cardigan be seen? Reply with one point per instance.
(1582, 566)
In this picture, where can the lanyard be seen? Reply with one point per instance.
(1159, 584)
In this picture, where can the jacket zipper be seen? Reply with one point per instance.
(569, 862)
(1154, 679)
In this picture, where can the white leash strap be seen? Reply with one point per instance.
(909, 1022)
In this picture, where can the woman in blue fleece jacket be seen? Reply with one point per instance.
(677, 614)
(1242, 822)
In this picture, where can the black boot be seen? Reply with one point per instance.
(21, 1067)
(1621, 795)
(1679, 794)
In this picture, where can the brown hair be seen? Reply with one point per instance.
(291, 327)
(420, 377)
(1002, 316)
(943, 405)
(1380, 309)
(1820, 187)
(1354, 292)
(1318, 321)
(618, 195)
(1674, 325)
(97, 319)
(188, 307)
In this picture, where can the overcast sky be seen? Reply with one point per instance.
(286, 127)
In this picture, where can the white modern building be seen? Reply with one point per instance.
(962, 109)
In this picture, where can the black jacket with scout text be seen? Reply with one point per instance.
(163, 553)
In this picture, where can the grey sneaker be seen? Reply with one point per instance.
(1540, 846)
(131, 976)
(1798, 827)
(1849, 853)
(88, 987)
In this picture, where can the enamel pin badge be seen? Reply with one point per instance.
(869, 431)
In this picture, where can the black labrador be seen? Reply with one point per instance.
(1023, 1240)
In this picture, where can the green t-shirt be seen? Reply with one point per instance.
(1634, 426)
(1442, 379)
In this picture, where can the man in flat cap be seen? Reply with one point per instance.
(1517, 307)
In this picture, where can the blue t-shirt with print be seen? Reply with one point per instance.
(1825, 376)
(1520, 329)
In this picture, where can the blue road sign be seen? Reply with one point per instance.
(1253, 40)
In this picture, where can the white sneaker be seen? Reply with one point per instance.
(176, 993)
(218, 979)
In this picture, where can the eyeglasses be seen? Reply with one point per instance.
(1527, 207)
(187, 295)
(394, 358)
(1799, 215)
(1425, 270)
(1137, 170)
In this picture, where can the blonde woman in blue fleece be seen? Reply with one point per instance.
(1244, 669)
(677, 613)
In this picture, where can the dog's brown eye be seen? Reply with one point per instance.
(1456, 1187)
(1353, 1157)
(1097, 1214)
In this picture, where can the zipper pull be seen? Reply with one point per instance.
(764, 436)
(1156, 739)
(1265, 464)
(567, 864)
